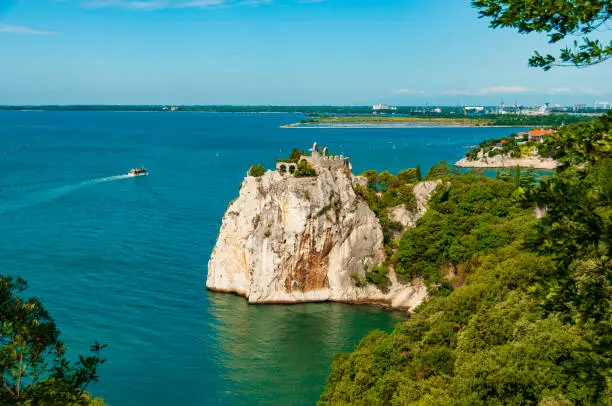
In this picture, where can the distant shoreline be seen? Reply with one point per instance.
(500, 161)
(392, 125)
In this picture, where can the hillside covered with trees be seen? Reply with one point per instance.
(520, 308)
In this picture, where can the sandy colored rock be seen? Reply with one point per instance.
(505, 161)
(289, 240)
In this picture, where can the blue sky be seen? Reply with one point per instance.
(288, 52)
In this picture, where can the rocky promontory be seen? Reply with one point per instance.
(505, 161)
(289, 239)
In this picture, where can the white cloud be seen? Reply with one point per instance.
(492, 90)
(459, 92)
(504, 89)
(408, 91)
(593, 92)
(20, 29)
(559, 90)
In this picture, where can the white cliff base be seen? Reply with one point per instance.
(289, 240)
(504, 161)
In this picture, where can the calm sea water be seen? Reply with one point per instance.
(123, 260)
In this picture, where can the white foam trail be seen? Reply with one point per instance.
(42, 196)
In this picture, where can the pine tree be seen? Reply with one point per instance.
(418, 173)
(517, 176)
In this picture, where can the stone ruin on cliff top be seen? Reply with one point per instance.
(317, 160)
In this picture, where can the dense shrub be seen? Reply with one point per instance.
(257, 170)
(378, 276)
(305, 170)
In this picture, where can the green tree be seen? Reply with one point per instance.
(407, 176)
(257, 170)
(506, 175)
(305, 170)
(372, 177)
(296, 154)
(440, 170)
(581, 144)
(559, 19)
(386, 181)
(419, 177)
(33, 366)
(517, 176)
(528, 179)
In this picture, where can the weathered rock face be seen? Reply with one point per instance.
(421, 191)
(287, 240)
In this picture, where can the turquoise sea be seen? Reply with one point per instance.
(123, 260)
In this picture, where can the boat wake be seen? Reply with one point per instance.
(42, 196)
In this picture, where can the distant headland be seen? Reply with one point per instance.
(529, 149)
(440, 120)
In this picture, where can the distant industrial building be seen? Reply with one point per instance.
(537, 111)
(602, 105)
(378, 107)
(474, 110)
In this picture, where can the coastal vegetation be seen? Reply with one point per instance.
(520, 306)
(294, 157)
(469, 214)
(511, 146)
(559, 20)
(384, 191)
(305, 170)
(453, 119)
(257, 170)
(34, 369)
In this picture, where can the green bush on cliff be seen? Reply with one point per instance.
(257, 171)
(378, 276)
(305, 170)
(294, 157)
(528, 317)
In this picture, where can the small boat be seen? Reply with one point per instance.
(138, 172)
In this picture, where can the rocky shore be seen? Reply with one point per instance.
(503, 161)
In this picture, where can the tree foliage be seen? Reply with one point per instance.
(257, 170)
(559, 19)
(440, 170)
(526, 314)
(384, 191)
(305, 170)
(470, 215)
(34, 369)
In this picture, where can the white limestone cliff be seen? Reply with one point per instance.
(289, 240)
(421, 191)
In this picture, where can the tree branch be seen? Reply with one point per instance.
(8, 389)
